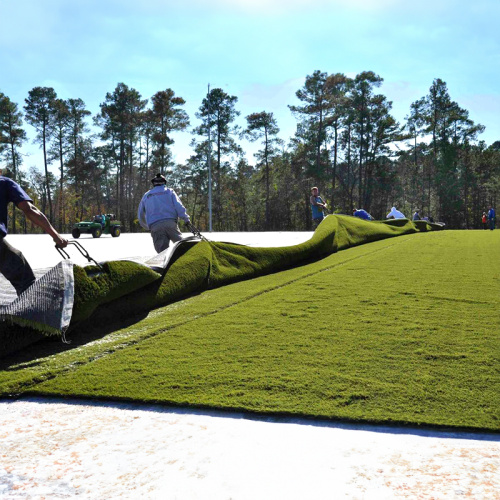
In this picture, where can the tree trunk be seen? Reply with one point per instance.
(268, 222)
(14, 171)
(334, 173)
(47, 181)
(218, 204)
(61, 161)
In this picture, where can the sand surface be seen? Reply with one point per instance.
(62, 449)
(40, 250)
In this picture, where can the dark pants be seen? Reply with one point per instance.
(492, 224)
(15, 267)
(163, 231)
(317, 222)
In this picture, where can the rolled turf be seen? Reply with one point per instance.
(127, 288)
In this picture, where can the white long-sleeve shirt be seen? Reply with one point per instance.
(158, 204)
(396, 214)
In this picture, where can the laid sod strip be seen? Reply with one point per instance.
(37, 362)
(407, 334)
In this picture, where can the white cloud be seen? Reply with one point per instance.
(270, 97)
(267, 6)
(286, 5)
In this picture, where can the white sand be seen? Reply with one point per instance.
(56, 449)
(40, 250)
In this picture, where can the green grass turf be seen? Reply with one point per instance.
(398, 331)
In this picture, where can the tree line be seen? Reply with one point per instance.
(346, 142)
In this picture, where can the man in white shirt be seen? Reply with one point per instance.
(159, 210)
(395, 214)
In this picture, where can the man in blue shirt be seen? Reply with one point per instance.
(491, 218)
(362, 214)
(159, 211)
(317, 206)
(13, 265)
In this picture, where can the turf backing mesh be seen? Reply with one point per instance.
(46, 305)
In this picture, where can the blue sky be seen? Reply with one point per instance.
(258, 50)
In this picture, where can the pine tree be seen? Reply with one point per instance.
(12, 136)
(263, 126)
(218, 112)
(39, 110)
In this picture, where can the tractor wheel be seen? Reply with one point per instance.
(115, 232)
(75, 233)
(96, 233)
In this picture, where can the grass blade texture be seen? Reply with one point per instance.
(398, 331)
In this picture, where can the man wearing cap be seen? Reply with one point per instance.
(159, 210)
(13, 264)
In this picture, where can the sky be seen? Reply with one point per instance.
(258, 50)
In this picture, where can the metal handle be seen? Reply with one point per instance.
(196, 232)
(80, 248)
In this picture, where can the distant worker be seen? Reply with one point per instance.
(484, 220)
(318, 205)
(13, 264)
(100, 219)
(395, 214)
(159, 211)
(416, 215)
(491, 218)
(362, 214)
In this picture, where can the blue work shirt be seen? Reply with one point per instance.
(158, 204)
(10, 191)
(491, 214)
(317, 212)
(362, 214)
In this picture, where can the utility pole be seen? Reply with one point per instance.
(209, 164)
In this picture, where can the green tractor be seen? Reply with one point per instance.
(104, 223)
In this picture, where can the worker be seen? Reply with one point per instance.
(484, 221)
(13, 264)
(395, 214)
(416, 215)
(318, 206)
(491, 217)
(362, 214)
(159, 211)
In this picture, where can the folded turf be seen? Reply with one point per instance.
(122, 288)
(211, 265)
